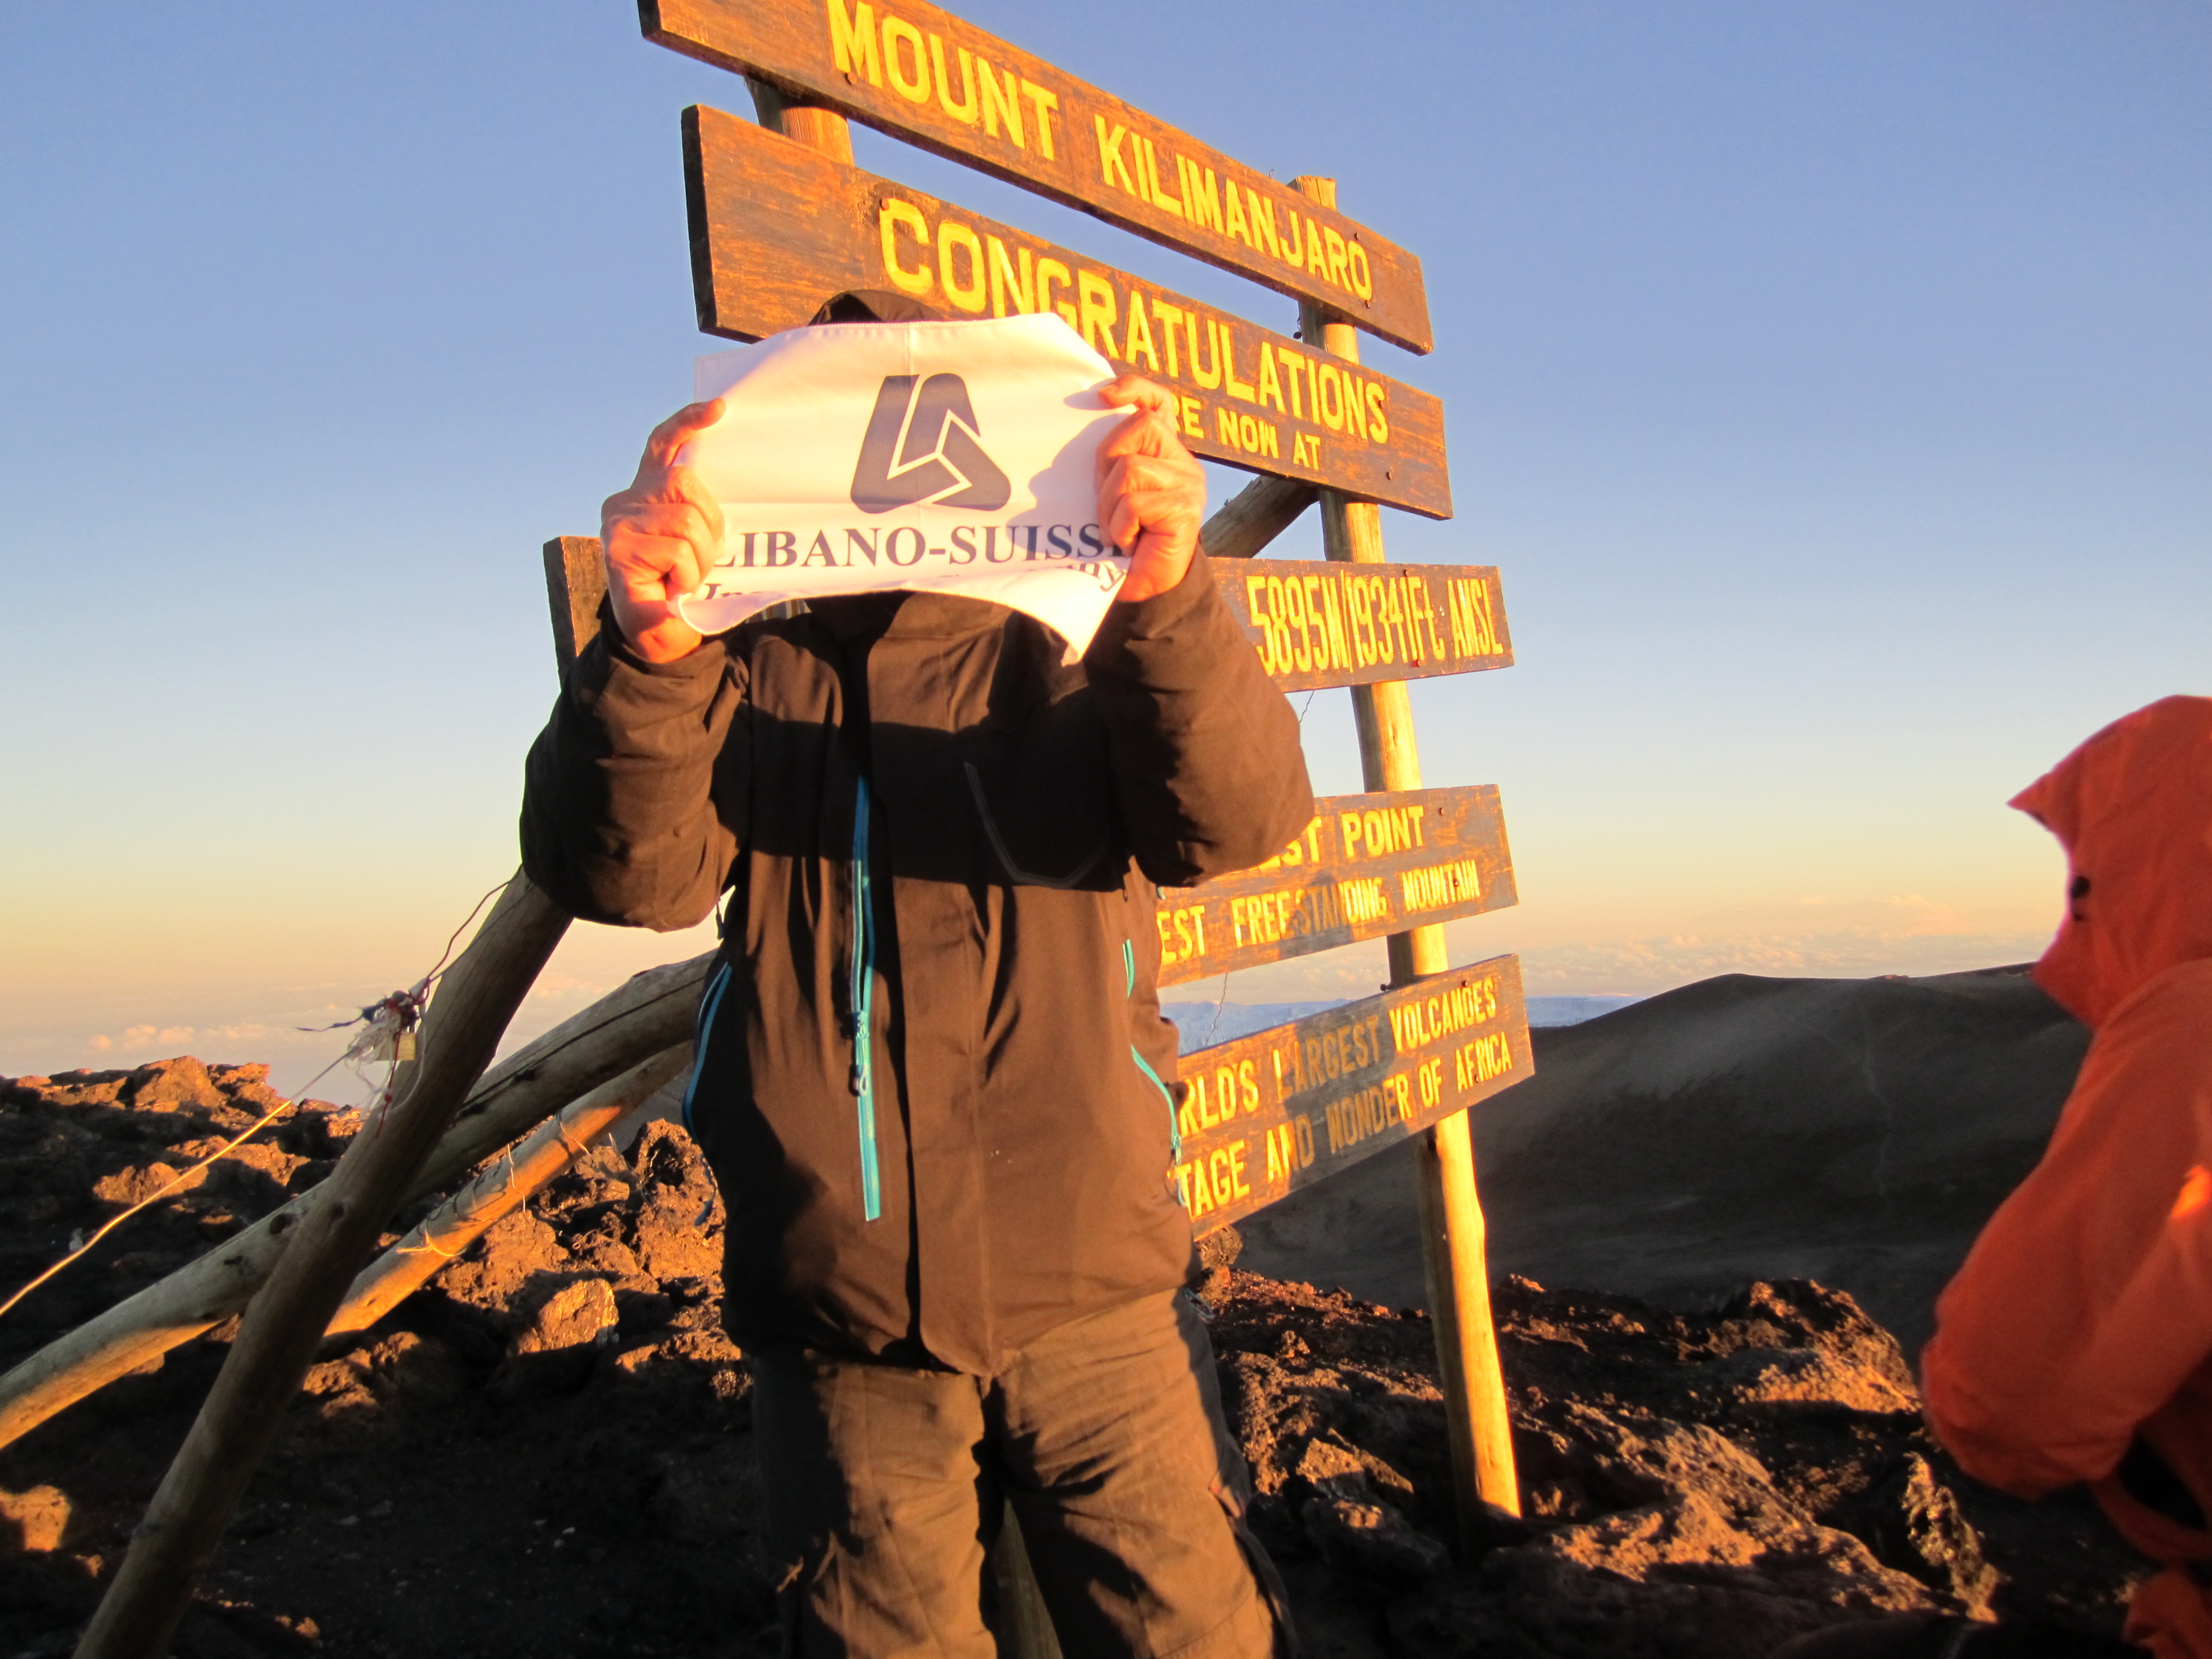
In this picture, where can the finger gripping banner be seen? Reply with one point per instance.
(956, 458)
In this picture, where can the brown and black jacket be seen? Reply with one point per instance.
(943, 1133)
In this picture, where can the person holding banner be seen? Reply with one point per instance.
(931, 1073)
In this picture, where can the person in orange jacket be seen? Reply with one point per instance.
(2076, 1343)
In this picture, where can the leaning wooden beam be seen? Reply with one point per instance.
(285, 1322)
(500, 1188)
(1255, 516)
(651, 1012)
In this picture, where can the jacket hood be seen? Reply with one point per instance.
(875, 304)
(2133, 808)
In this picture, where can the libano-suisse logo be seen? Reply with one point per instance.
(923, 445)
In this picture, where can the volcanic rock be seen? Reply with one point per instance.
(549, 1449)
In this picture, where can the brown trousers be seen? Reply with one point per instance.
(883, 1485)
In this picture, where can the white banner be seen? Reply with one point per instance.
(951, 458)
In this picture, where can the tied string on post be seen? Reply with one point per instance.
(79, 1244)
(387, 1037)
(460, 1212)
(388, 1026)
(490, 1188)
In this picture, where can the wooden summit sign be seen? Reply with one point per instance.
(1334, 623)
(924, 75)
(1366, 867)
(776, 228)
(1265, 1114)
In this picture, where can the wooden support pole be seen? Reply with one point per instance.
(1255, 516)
(801, 121)
(284, 1324)
(1452, 1257)
(1025, 1628)
(499, 1190)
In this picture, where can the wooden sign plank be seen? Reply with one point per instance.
(777, 228)
(1265, 1114)
(922, 74)
(1319, 622)
(575, 582)
(1367, 865)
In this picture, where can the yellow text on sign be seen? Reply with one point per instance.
(1316, 623)
(1424, 1020)
(1215, 1180)
(1213, 1098)
(913, 62)
(1183, 934)
(874, 43)
(976, 271)
(1485, 1058)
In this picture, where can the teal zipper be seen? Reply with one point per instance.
(709, 1005)
(864, 1004)
(1129, 988)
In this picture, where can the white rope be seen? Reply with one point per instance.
(388, 1037)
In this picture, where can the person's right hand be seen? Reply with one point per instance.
(660, 536)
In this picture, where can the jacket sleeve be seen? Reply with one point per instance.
(619, 820)
(2083, 1306)
(1207, 768)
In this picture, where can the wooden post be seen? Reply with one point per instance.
(575, 582)
(1025, 1628)
(1452, 1213)
(1027, 1631)
(499, 1190)
(284, 1324)
(801, 121)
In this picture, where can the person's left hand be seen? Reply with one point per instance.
(1151, 491)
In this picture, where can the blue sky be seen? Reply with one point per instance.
(1832, 384)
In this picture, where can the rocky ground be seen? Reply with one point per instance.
(547, 1452)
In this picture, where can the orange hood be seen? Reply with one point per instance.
(2133, 808)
